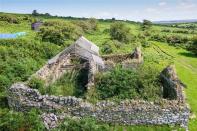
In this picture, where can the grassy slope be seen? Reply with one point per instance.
(186, 65)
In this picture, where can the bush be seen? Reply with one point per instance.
(120, 83)
(193, 45)
(166, 30)
(12, 121)
(19, 58)
(107, 49)
(87, 25)
(145, 43)
(57, 32)
(94, 24)
(36, 83)
(181, 31)
(4, 83)
(85, 124)
(158, 37)
(110, 46)
(52, 34)
(174, 40)
(119, 31)
(149, 85)
(12, 19)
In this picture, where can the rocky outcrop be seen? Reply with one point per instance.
(128, 112)
(172, 86)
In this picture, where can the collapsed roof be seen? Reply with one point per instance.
(82, 48)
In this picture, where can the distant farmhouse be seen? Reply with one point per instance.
(36, 25)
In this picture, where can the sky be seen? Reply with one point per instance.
(136, 10)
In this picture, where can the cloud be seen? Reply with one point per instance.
(186, 5)
(151, 10)
(102, 14)
(162, 4)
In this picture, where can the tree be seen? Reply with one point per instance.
(119, 31)
(35, 13)
(94, 24)
(193, 45)
(57, 32)
(146, 24)
(113, 19)
(47, 14)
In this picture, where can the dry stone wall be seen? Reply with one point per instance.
(132, 60)
(172, 86)
(53, 71)
(128, 112)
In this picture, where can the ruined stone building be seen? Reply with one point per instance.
(84, 54)
(87, 54)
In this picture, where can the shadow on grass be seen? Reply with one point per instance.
(188, 54)
(81, 82)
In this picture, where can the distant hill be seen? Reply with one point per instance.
(175, 21)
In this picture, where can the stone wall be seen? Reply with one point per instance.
(136, 55)
(132, 60)
(53, 70)
(128, 112)
(172, 86)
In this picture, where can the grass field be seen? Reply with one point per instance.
(186, 65)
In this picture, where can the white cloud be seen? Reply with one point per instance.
(162, 4)
(187, 5)
(151, 10)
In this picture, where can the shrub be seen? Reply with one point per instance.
(158, 37)
(52, 34)
(193, 45)
(107, 48)
(117, 44)
(119, 31)
(19, 58)
(94, 23)
(166, 30)
(174, 40)
(106, 31)
(87, 25)
(10, 19)
(149, 85)
(123, 83)
(145, 43)
(110, 46)
(181, 31)
(12, 121)
(35, 83)
(119, 83)
(57, 32)
(4, 83)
